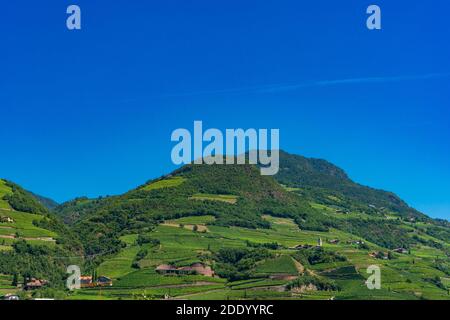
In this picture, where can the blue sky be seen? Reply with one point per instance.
(90, 112)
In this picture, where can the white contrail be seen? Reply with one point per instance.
(270, 88)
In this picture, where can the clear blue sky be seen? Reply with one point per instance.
(90, 112)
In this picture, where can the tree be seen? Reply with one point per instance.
(15, 280)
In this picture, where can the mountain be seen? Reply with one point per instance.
(300, 191)
(317, 174)
(308, 232)
(50, 204)
(236, 195)
(260, 232)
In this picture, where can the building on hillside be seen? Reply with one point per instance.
(103, 281)
(401, 250)
(86, 282)
(35, 284)
(334, 241)
(166, 269)
(201, 269)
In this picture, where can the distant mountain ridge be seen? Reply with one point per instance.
(298, 171)
(46, 202)
(299, 191)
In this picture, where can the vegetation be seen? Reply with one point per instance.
(314, 283)
(237, 264)
(257, 233)
(316, 255)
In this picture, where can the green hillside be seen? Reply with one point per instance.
(308, 233)
(320, 179)
(33, 243)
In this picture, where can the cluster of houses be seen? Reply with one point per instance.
(5, 219)
(195, 268)
(88, 282)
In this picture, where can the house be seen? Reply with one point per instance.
(103, 281)
(334, 241)
(86, 282)
(35, 284)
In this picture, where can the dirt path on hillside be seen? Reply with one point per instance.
(300, 268)
(7, 236)
(12, 236)
(48, 239)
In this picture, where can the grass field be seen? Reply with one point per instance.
(23, 225)
(280, 265)
(166, 183)
(215, 197)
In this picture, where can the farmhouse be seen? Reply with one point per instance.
(334, 241)
(166, 269)
(86, 282)
(35, 284)
(103, 281)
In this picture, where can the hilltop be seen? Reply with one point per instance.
(308, 232)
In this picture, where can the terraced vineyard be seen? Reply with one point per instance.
(226, 232)
(402, 276)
